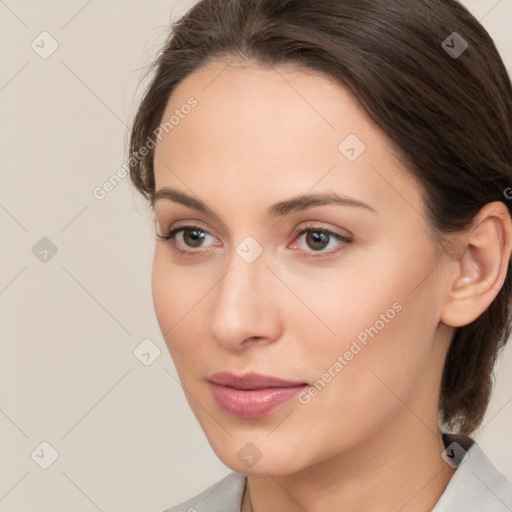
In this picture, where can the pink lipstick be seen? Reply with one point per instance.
(251, 395)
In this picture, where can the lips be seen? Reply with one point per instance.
(251, 395)
(251, 381)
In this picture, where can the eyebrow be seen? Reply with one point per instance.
(297, 203)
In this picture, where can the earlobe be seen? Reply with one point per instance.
(481, 269)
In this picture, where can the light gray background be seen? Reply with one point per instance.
(125, 437)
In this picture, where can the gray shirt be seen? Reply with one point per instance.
(476, 485)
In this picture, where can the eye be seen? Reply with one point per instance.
(193, 236)
(318, 239)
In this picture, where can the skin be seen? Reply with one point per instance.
(370, 439)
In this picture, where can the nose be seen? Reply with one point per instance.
(246, 308)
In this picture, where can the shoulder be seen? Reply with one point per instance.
(223, 496)
(477, 485)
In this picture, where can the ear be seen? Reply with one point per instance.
(480, 271)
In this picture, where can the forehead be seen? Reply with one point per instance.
(282, 131)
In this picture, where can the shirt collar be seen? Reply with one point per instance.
(476, 485)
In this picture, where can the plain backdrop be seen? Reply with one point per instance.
(75, 297)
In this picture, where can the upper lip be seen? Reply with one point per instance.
(251, 380)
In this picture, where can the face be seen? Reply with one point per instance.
(340, 299)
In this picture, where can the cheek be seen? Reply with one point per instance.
(162, 287)
(390, 368)
(367, 389)
(341, 305)
(173, 300)
(180, 299)
(174, 292)
(377, 323)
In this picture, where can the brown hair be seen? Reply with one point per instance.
(449, 117)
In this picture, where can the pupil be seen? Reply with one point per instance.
(317, 237)
(196, 235)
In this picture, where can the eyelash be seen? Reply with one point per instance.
(171, 235)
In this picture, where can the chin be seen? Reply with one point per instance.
(251, 455)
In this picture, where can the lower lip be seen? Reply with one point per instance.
(252, 403)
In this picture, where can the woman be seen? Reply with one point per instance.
(331, 273)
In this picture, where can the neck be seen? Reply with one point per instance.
(399, 469)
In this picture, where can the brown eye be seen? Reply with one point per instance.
(195, 237)
(317, 240)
